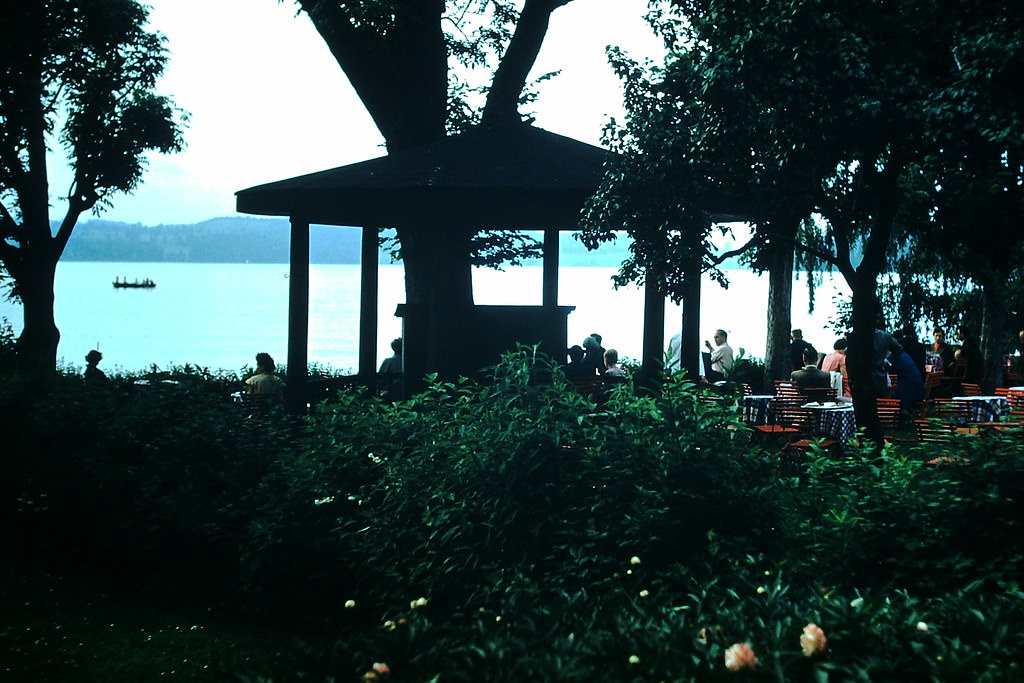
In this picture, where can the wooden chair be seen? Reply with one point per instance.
(788, 420)
(970, 389)
(820, 394)
(747, 389)
(888, 410)
(934, 431)
(932, 382)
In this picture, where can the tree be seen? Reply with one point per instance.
(396, 55)
(82, 71)
(822, 109)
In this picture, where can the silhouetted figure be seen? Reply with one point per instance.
(969, 356)
(93, 375)
(593, 357)
(264, 382)
(576, 369)
(797, 346)
(907, 338)
(810, 376)
(390, 373)
(884, 344)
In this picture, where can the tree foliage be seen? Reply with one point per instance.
(816, 109)
(78, 74)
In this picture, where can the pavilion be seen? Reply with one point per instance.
(509, 176)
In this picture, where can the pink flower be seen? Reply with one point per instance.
(740, 656)
(381, 668)
(812, 640)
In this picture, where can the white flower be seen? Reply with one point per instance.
(349, 604)
(644, 593)
(417, 603)
(634, 560)
(921, 626)
(633, 659)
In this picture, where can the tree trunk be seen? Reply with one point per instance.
(37, 344)
(993, 327)
(860, 356)
(780, 306)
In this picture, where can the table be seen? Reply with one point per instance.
(757, 409)
(835, 423)
(986, 408)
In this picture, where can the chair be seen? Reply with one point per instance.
(934, 431)
(888, 410)
(747, 389)
(820, 394)
(788, 420)
(970, 389)
(932, 382)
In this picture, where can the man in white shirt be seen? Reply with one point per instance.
(721, 356)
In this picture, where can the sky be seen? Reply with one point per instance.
(267, 101)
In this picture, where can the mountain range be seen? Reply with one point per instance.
(244, 239)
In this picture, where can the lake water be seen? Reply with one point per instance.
(220, 315)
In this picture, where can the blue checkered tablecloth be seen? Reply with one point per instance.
(986, 408)
(757, 409)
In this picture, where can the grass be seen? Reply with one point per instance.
(71, 626)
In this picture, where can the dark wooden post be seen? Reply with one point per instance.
(654, 337)
(550, 284)
(690, 351)
(298, 316)
(368, 292)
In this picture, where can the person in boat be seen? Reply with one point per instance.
(264, 382)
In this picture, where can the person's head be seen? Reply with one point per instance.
(721, 336)
(797, 334)
(810, 356)
(940, 336)
(596, 337)
(611, 358)
(963, 333)
(264, 363)
(93, 357)
(396, 346)
(576, 353)
(590, 344)
(840, 345)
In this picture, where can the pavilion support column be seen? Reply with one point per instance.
(654, 337)
(298, 316)
(368, 296)
(690, 348)
(550, 284)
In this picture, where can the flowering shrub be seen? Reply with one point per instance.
(517, 528)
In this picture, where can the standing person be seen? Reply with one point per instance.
(836, 361)
(810, 376)
(264, 381)
(93, 375)
(969, 356)
(943, 352)
(390, 373)
(909, 382)
(674, 355)
(721, 356)
(797, 346)
(912, 347)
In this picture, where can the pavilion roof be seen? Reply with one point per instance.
(515, 176)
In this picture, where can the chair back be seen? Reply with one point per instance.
(933, 431)
(888, 410)
(820, 394)
(970, 389)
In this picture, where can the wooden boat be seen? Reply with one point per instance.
(134, 284)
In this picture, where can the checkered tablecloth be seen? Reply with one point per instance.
(757, 409)
(986, 408)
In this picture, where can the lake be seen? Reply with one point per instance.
(221, 315)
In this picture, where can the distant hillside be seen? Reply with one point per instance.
(245, 239)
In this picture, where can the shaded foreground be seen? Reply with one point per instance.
(508, 531)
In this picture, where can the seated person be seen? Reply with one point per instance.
(836, 361)
(810, 376)
(576, 370)
(593, 355)
(390, 373)
(93, 375)
(611, 364)
(909, 383)
(264, 381)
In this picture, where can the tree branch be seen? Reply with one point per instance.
(721, 258)
(519, 58)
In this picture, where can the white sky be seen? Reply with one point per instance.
(267, 100)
